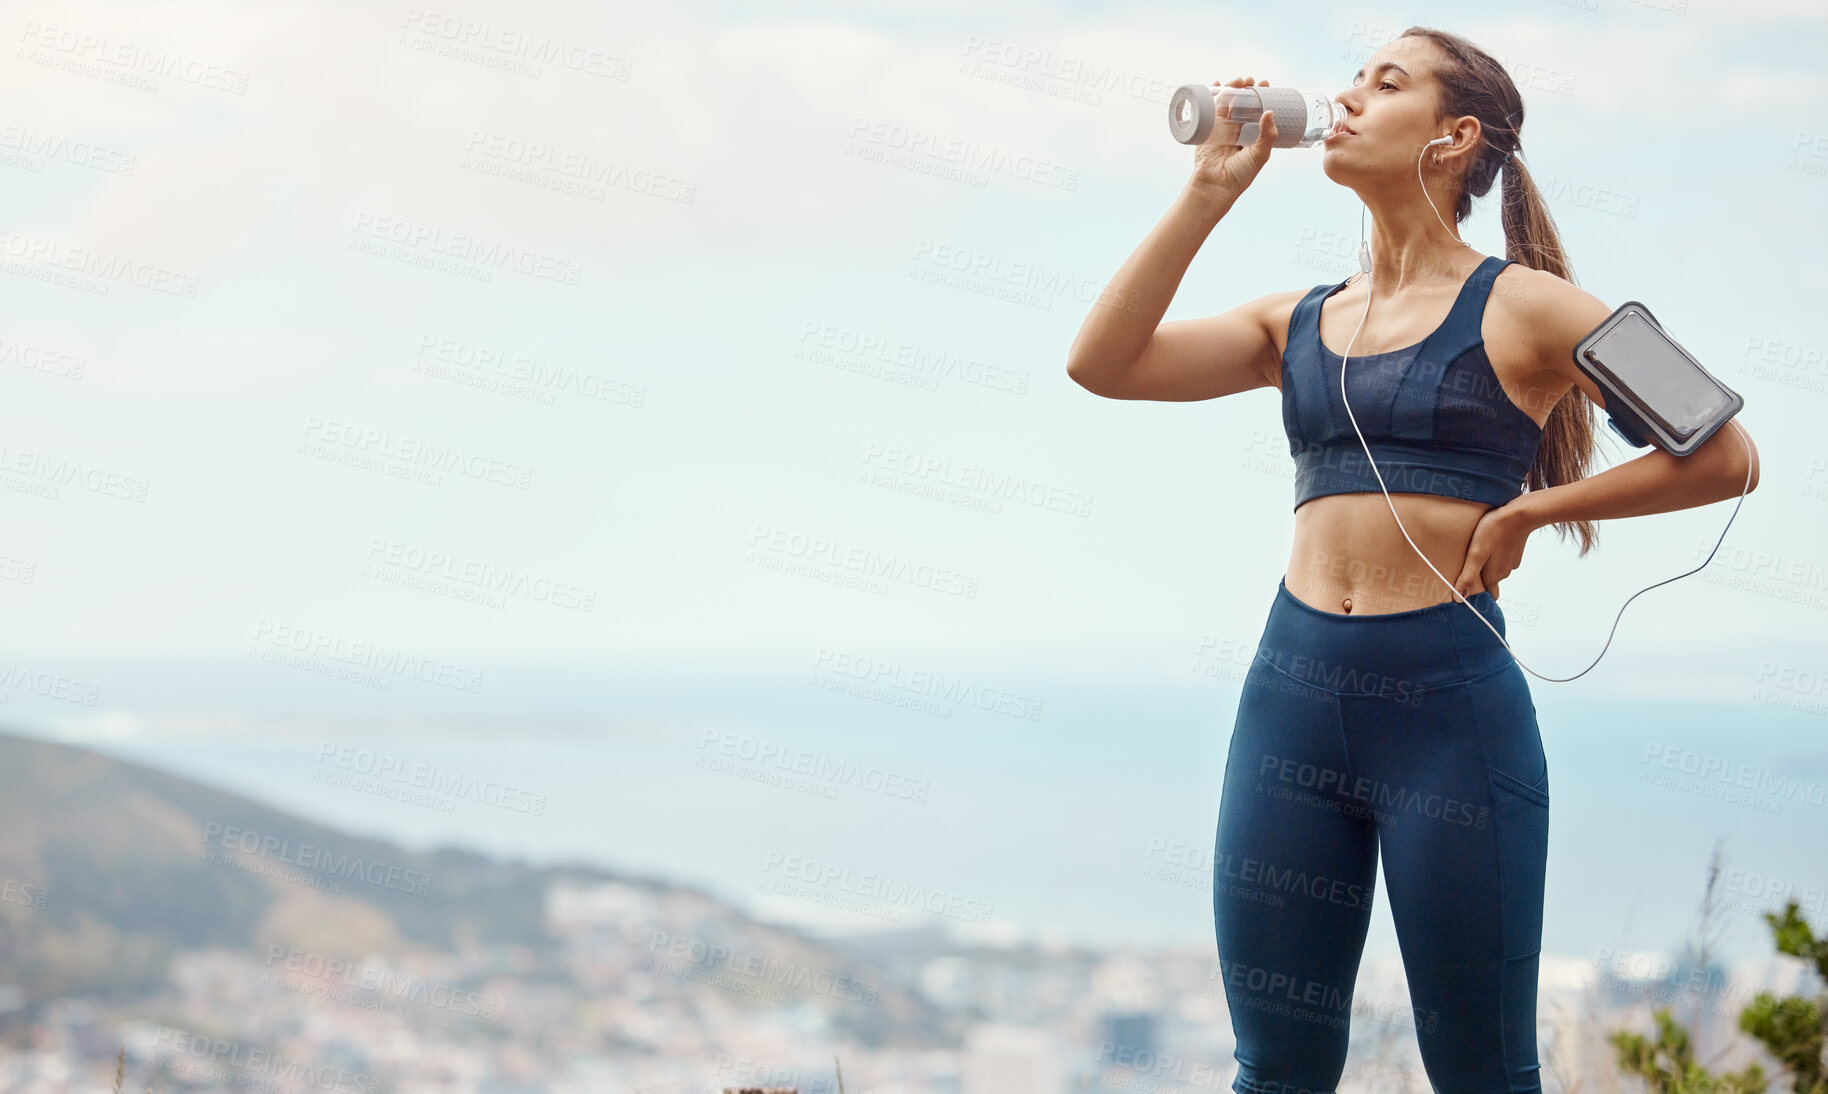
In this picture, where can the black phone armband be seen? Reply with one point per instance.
(1654, 391)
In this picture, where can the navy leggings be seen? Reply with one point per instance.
(1410, 732)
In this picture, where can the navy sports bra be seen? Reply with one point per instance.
(1434, 414)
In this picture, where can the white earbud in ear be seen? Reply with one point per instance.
(1438, 140)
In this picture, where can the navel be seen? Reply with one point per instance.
(1347, 605)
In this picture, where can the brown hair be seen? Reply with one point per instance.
(1474, 83)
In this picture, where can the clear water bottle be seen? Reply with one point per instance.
(1302, 118)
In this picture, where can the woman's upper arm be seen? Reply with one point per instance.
(1211, 356)
(1559, 314)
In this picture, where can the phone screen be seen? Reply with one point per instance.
(1668, 386)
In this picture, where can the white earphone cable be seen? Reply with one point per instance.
(1399, 521)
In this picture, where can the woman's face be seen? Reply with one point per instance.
(1391, 108)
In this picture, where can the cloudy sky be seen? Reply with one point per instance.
(610, 299)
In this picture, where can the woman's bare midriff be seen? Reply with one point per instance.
(1350, 558)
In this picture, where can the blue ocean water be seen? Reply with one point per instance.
(1047, 805)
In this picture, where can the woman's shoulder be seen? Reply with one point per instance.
(1278, 310)
(1546, 316)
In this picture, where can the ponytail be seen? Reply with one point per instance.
(1474, 83)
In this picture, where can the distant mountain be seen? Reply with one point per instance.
(119, 852)
(108, 869)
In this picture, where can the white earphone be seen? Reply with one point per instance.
(1364, 265)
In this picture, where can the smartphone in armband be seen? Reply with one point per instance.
(1655, 392)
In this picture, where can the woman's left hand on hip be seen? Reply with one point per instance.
(1496, 549)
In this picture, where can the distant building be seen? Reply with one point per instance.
(575, 905)
(1012, 1060)
(1129, 1033)
(1126, 1050)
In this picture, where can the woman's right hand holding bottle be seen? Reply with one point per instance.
(1223, 169)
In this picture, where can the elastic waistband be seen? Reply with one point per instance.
(1393, 654)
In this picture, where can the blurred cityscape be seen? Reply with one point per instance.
(222, 945)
